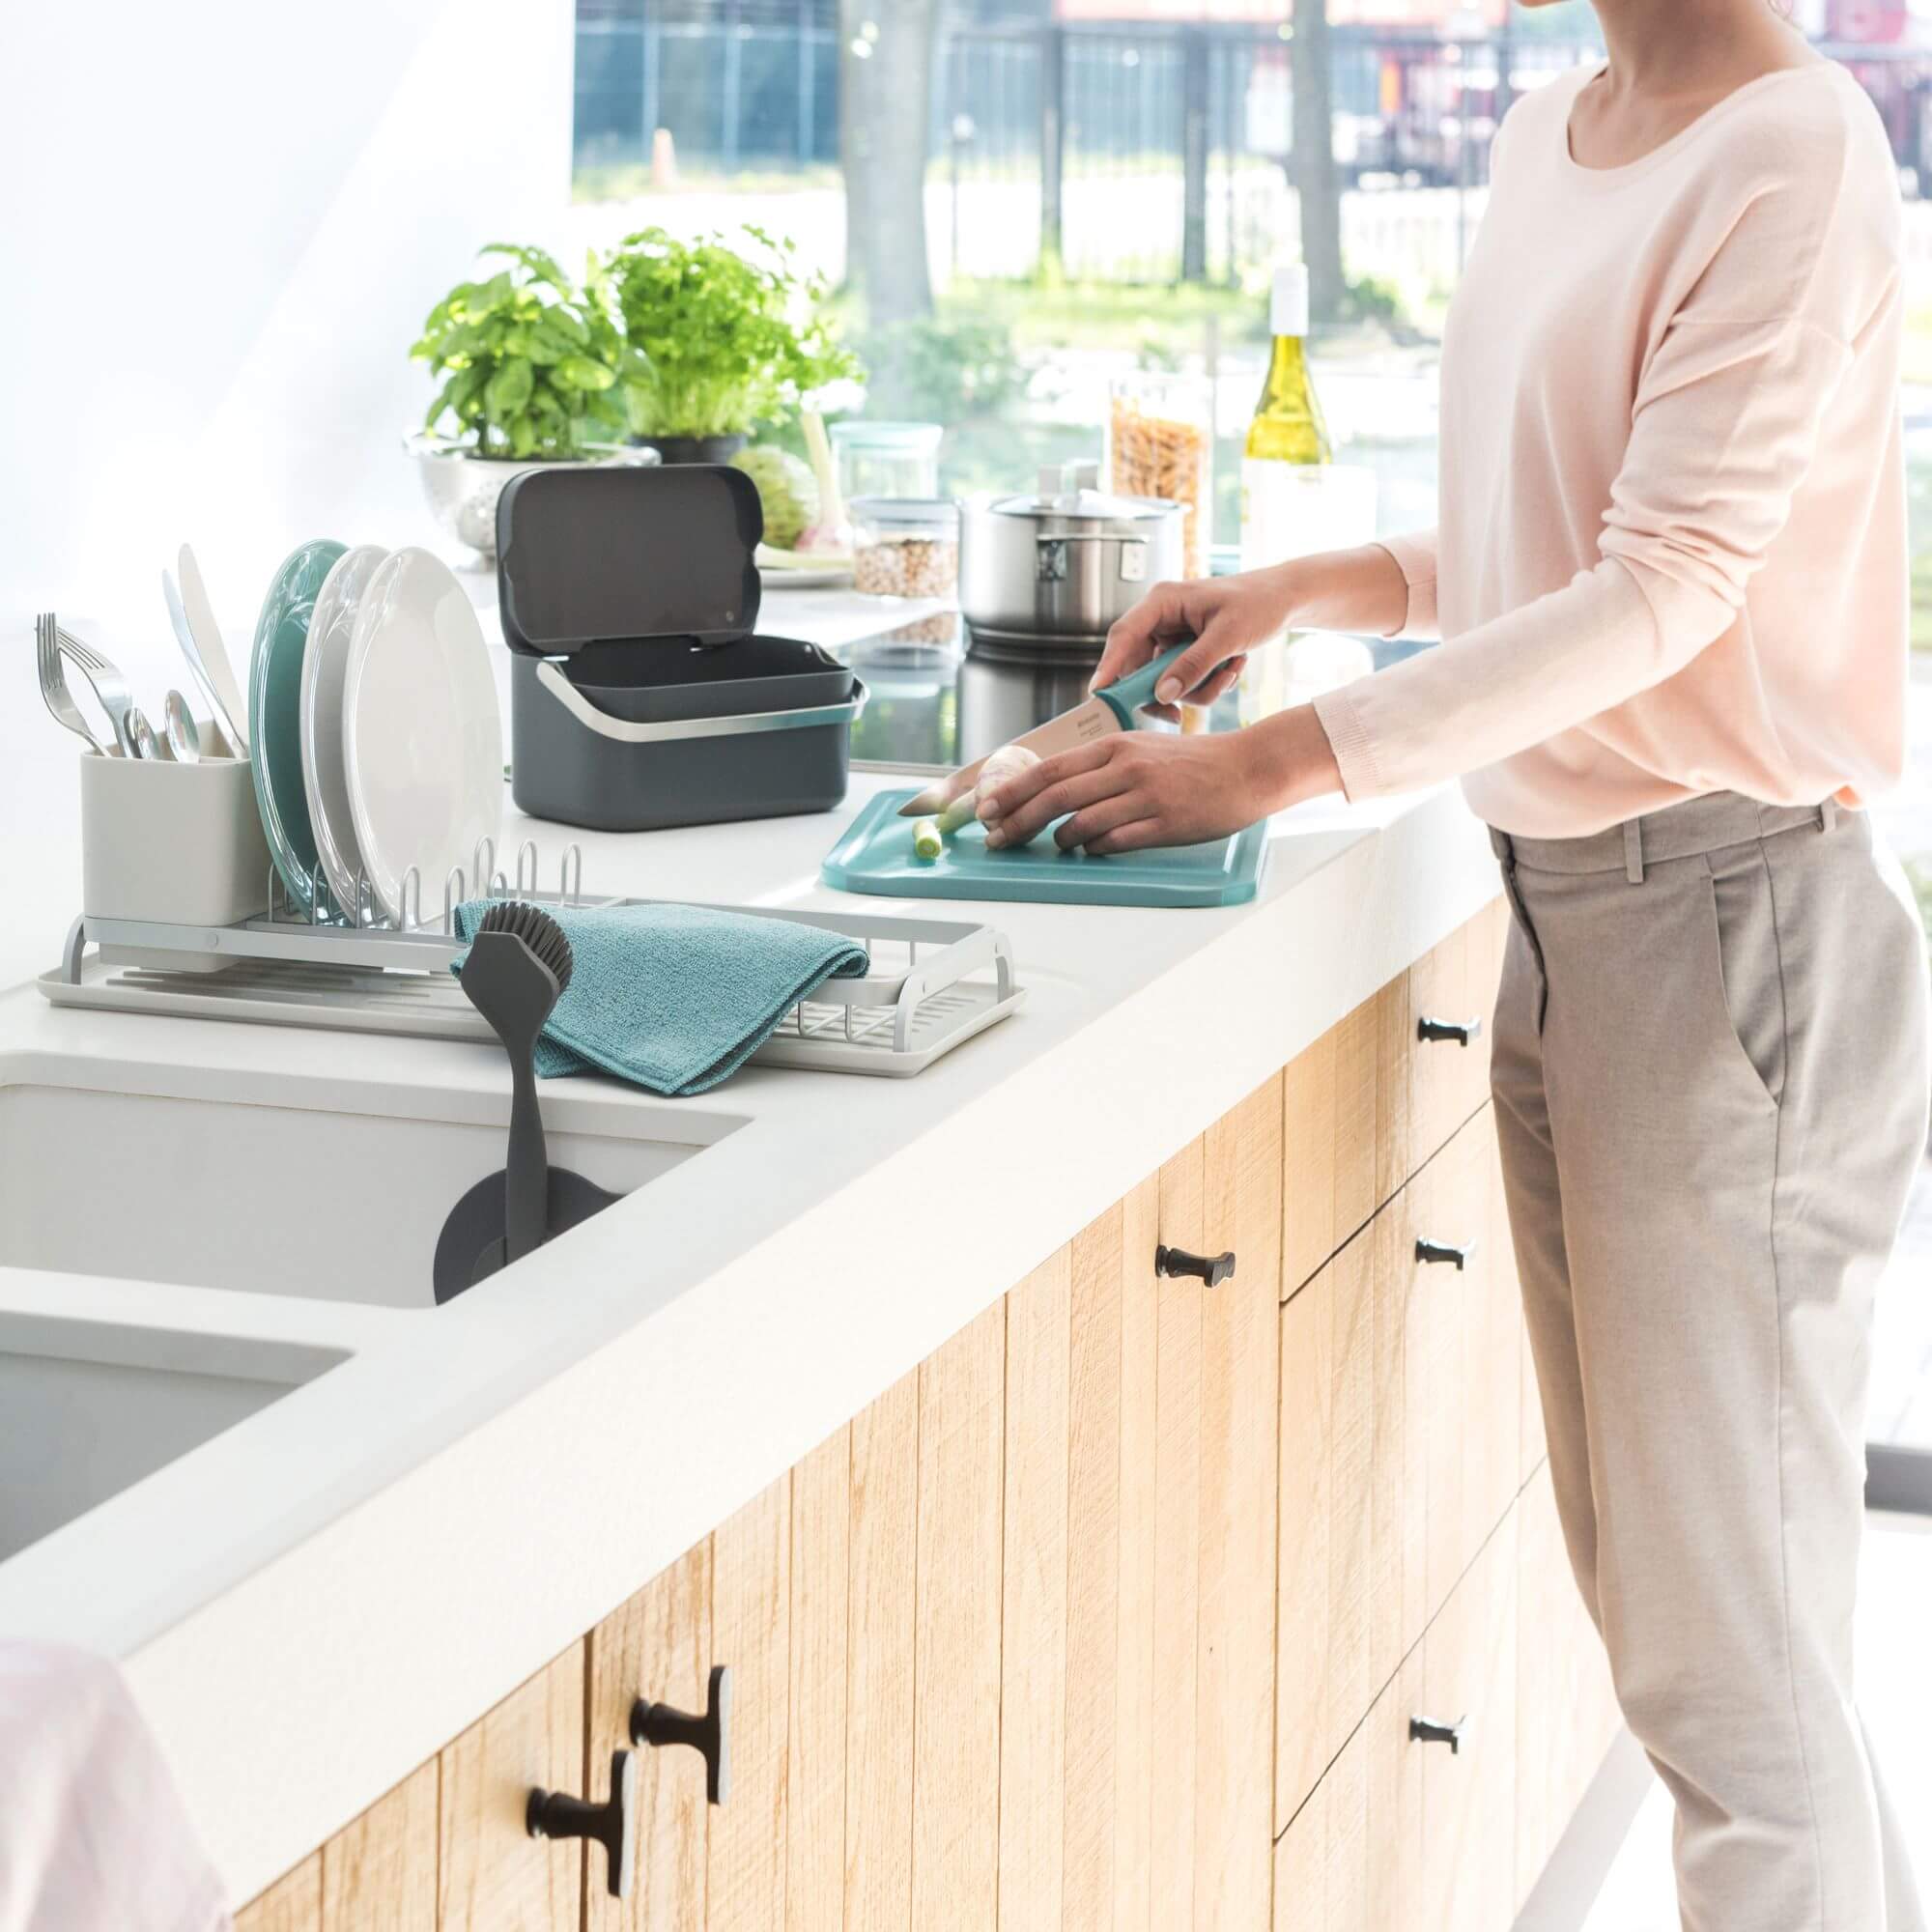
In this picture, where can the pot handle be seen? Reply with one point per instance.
(625, 732)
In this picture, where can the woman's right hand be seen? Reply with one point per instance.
(1226, 617)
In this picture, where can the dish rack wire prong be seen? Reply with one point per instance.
(928, 984)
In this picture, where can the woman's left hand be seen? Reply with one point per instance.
(1134, 789)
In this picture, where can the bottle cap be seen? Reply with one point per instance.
(1288, 306)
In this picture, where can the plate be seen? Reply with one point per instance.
(330, 629)
(275, 714)
(832, 578)
(422, 737)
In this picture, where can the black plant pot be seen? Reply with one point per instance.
(693, 448)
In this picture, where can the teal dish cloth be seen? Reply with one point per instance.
(677, 997)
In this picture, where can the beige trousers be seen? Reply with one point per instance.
(1709, 1077)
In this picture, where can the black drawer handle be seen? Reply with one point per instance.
(1431, 1731)
(1444, 1252)
(554, 1814)
(710, 1734)
(1462, 1032)
(1213, 1269)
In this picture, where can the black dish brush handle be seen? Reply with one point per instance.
(515, 972)
(527, 1172)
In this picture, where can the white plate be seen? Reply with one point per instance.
(422, 738)
(830, 578)
(331, 631)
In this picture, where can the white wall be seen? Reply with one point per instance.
(221, 222)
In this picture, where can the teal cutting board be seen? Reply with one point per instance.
(876, 856)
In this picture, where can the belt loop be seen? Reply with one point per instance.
(1827, 815)
(1633, 851)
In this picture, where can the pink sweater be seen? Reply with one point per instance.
(1672, 550)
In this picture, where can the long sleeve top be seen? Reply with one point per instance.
(1671, 557)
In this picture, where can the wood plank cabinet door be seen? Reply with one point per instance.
(726, 1602)
(494, 1876)
(1241, 1180)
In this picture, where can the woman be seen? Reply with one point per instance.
(1671, 574)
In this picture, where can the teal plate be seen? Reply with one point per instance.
(275, 714)
(876, 856)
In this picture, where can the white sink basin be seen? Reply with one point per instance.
(93, 1406)
(285, 1185)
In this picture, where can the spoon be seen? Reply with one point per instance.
(182, 735)
(141, 735)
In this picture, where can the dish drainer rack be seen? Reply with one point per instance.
(929, 985)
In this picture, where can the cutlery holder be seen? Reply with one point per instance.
(171, 842)
(640, 696)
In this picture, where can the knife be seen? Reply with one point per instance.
(1108, 710)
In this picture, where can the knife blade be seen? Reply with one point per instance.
(1105, 714)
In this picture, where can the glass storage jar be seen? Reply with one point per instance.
(886, 459)
(1160, 442)
(905, 546)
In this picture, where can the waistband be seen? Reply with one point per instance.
(1684, 830)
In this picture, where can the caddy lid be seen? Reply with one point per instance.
(644, 555)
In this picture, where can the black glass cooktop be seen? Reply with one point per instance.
(940, 700)
(941, 697)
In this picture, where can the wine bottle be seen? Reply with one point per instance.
(1283, 463)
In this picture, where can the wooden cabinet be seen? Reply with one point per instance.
(1005, 1647)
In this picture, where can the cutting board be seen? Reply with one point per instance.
(876, 856)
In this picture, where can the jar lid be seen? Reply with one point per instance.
(859, 434)
(926, 511)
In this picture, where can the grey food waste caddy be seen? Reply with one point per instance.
(640, 695)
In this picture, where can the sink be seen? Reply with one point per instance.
(93, 1406)
(290, 1184)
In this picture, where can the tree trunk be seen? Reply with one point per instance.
(1311, 163)
(885, 110)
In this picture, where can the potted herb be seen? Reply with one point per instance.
(530, 365)
(721, 339)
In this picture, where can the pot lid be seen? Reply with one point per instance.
(1070, 490)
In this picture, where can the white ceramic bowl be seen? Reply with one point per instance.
(462, 488)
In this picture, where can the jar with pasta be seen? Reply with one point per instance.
(1160, 442)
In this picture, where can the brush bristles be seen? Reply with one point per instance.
(540, 932)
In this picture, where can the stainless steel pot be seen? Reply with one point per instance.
(1066, 563)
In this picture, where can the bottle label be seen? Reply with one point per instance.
(1291, 509)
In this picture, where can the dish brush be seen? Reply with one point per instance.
(515, 971)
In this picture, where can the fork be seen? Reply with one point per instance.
(53, 680)
(111, 688)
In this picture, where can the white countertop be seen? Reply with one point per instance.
(312, 1603)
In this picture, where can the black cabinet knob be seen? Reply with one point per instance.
(553, 1814)
(1444, 1252)
(710, 1734)
(1432, 1731)
(1213, 1269)
(1462, 1032)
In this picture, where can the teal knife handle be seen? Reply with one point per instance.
(1137, 688)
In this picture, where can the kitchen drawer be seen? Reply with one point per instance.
(1465, 1372)
(1566, 1715)
(1467, 1863)
(1370, 1101)
(1351, 1859)
(494, 1876)
(1399, 1442)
